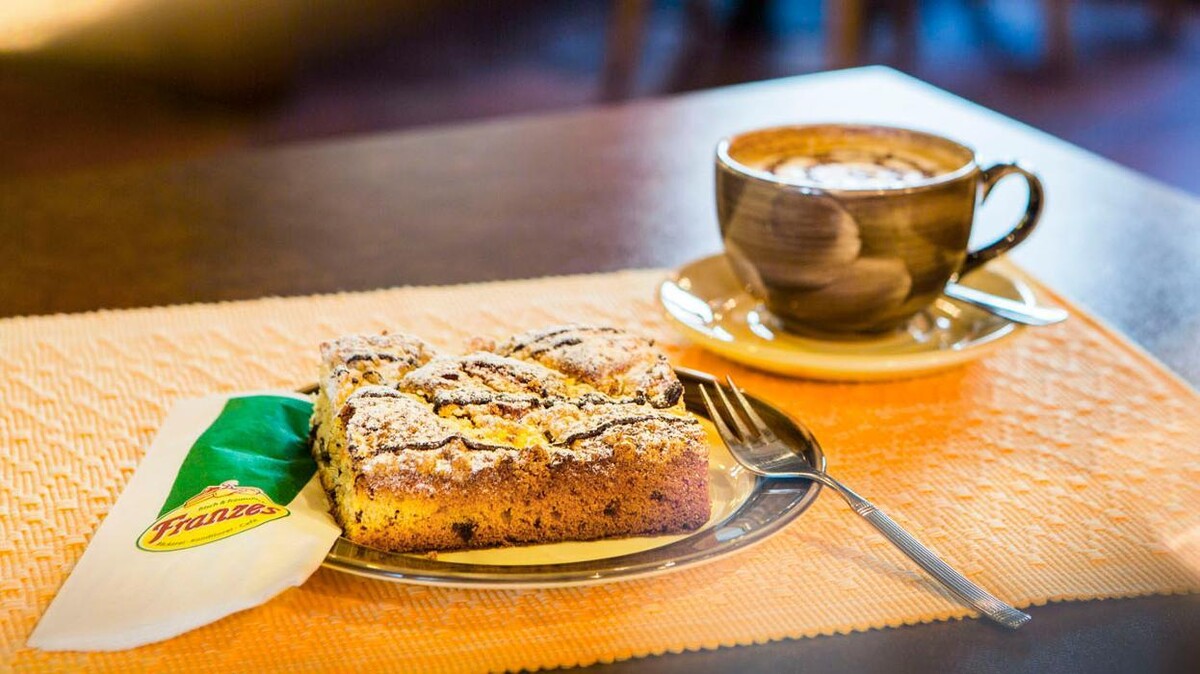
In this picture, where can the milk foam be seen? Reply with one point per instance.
(851, 169)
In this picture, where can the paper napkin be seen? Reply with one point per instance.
(224, 512)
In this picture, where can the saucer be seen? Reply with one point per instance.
(711, 306)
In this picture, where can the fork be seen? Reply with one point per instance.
(759, 450)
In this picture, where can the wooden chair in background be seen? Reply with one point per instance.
(847, 26)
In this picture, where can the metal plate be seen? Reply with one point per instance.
(746, 510)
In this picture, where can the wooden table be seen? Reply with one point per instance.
(611, 188)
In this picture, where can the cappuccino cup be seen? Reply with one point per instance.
(849, 230)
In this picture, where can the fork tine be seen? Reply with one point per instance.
(722, 429)
(737, 418)
(748, 410)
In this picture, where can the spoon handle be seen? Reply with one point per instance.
(1018, 312)
(954, 581)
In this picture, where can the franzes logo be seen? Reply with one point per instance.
(213, 514)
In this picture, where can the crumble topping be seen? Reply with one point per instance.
(614, 362)
(558, 390)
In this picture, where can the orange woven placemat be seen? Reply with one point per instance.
(1062, 467)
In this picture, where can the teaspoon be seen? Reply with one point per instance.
(1017, 312)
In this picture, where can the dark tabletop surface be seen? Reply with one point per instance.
(605, 189)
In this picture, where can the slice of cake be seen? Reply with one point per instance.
(571, 433)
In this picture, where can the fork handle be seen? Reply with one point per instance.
(954, 581)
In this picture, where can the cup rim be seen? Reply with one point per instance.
(726, 160)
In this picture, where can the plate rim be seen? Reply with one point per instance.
(458, 575)
(844, 367)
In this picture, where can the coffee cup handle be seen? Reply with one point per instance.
(988, 179)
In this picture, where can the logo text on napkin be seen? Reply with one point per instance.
(252, 458)
(215, 513)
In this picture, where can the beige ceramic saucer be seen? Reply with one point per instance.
(708, 303)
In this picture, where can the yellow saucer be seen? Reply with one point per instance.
(711, 306)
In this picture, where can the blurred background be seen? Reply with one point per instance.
(87, 84)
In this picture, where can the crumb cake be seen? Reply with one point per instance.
(564, 434)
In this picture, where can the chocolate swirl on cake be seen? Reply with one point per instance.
(614, 362)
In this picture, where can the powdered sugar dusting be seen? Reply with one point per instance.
(573, 393)
(615, 362)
